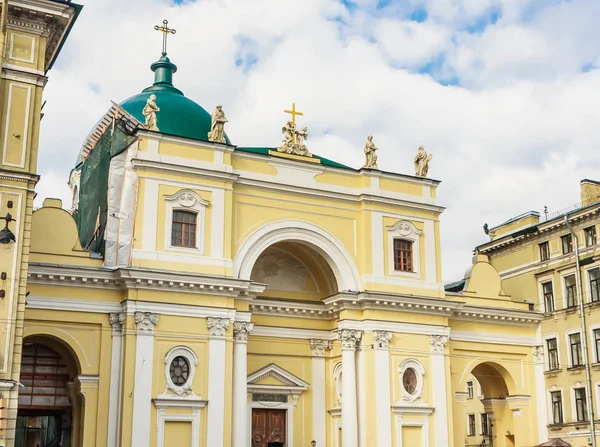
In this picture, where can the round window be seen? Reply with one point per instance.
(179, 370)
(409, 380)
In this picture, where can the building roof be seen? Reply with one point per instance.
(178, 115)
(265, 151)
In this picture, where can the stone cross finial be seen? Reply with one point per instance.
(165, 30)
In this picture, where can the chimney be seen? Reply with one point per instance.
(590, 192)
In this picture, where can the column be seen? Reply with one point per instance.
(348, 339)
(540, 391)
(241, 330)
(88, 388)
(216, 380)
(114, 404)
(319, 409)
(438, 382)
(382, 388)
(142, 389)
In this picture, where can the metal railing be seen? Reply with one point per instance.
(576, 206)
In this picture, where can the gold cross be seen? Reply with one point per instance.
(293, 113)
(166, 31)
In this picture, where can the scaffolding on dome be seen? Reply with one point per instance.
(112, 135)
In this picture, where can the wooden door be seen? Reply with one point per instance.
(268, 426)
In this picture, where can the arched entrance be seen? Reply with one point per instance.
(47, 399)
(484, 415)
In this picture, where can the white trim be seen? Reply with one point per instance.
(337, 389)
(419, 370)
(563, 283)
(592, 328)
(215, 429)
(404, 230)
(10, 51)
(587, 269)
(28, 70)
(188, 201)
(328, 246)
(407, 328)
(578, 385)
(192, 359)
(115, 390)
(439, 389)
(289, 419)
(361, 399)
(549, 403)
(382, 397)
(162, 417)
(545, 279)
(142, 391)
(423, 423)
(547, 337)
(284, 332)
(25, 127)
(290, 383)
(568, 344)
(319, 409)
(484, 337)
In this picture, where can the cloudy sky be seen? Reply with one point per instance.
(504, 93)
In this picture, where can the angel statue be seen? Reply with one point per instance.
(149, 113)
(217, 126)
(288, 132)
(370, 154)
(301, 137)
(422, 162)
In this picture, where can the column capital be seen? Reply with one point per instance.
(241, 330)
(438, 342)
(117, 321)
(217, 326)
(145, 321)
(538, 353)
(319, 346)
(349, 338)
(382, 339)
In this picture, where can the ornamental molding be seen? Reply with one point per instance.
(117, 321)
(319, 346)
(349, 338)
(176, 391)
(382, 339)
(187, 198)
(145, 321)
(538, 353)
(290, 384)
(217, 326)
(241, 330)
(438, 342)
(417, 367)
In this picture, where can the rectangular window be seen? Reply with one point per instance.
(557, 414)
(552, 354)
(590, 236)
(470, 389)
(471, 422)
(183, 230)
(403, 256)
(567, 243)
(544, 251)
(548, 296)
(597, 344)
(484, 424)
(595, 284)
(570, 290)
(581, 405)
(575, 344)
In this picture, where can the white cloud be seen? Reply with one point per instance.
(519, 134)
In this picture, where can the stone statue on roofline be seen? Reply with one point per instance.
(149, 112)
(422, 160)
(301, 137)
(287, 144)
(217, 127)
(370, 154)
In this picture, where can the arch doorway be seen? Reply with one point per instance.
(486, 413)
(45, 413)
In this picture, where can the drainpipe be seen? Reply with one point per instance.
(586, 360)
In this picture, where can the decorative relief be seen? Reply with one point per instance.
(145, 321)
(186, 199)
(280, 270)
(538, 353)
(117, 321)
(349, 338)
(438, 342)
(217, 326)
(241, 330)
(319, 347)
(382, 339)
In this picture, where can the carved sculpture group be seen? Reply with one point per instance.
(294, 140)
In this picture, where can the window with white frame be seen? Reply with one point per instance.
(411, 380)
(470, 389)
(548, 292)
(570, 290)
(180, 368)
(185, 222)
(596, 333)
(484, 424)
(567, 243)
(590, 236)
(553, 362)
(594, 275)
(544, 251)
(557, 407)
(403, 247)
(580, 405)
(470, 425)
(575, 349)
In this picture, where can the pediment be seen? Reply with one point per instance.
(273, 379)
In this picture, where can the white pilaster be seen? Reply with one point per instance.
(438, 381)
(349, 339)
(361, 397)
(382, 388)
(216, 380)
(319, 409)
(116, 360)
(142, 389)
(540, 389)
(241, 330)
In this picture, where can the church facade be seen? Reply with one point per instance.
(204, 294)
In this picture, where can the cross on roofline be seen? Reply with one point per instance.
(293, 112)
(165, 30)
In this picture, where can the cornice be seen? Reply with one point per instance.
(498, 315)
(157, 166)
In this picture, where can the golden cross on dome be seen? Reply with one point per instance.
(293, 112)
(165, 30)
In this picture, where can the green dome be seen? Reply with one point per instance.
(178, 115)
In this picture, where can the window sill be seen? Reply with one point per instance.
(576, 369)
(552, 372)
(596, 366)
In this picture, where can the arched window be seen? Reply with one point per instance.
(183, 229)
(403, 255)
